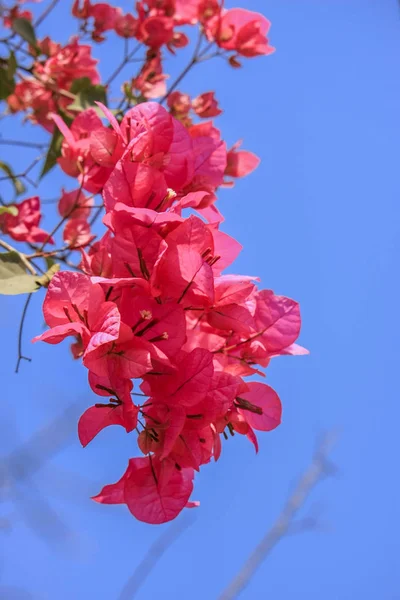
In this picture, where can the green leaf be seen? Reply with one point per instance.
(14, 278)
(45, 279)
(17, 183)
(11, 210)
(53, 152)
(7, 72)
(12, 64)
(50, 262)
(86, 95)
(24, 28)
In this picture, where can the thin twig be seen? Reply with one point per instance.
(318, 469)
(46, 12)
(186, 70)
(20, 333)
(22, 143)
(51, 85)
(64, 218)
(24, 175)
(152, 557)
(125, 61)
(22, 256)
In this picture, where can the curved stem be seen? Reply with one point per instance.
(193, 61)
(20, 333)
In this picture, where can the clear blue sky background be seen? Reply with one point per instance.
(320, 222)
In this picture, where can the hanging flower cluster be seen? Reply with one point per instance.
(155, 305)
(169, 339)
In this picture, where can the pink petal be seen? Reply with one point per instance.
(264, 397)
(155, 492)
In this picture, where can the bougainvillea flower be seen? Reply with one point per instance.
(188, 385)
(159, 155)
(186, 12)
(119, 411)
(206, 106)
(241, 30)
(77, 234)
(260, 396)
(180, 105)
(75, 205)
(71, 62)
(155, 491)
(76, 144)
(69, 297)
(151, 80)
(156, 31)
(125, 25)
(153, 302)
(23, 227)
(277, 321)
(104, 18)
(184, 273)
(81, 9)
(89, 150)
(16, 13)
(210, 157)
(240, 162)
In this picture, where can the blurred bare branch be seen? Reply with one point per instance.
(285, 524)
(13, 593)
(39, 515)
(19, 466)
(44, 444)
(154, 555)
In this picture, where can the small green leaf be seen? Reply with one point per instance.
(50, 262)
(45, 279)
(86, 95)
(24, 28)
(11, 210)
(12, 64)
(17, 183)
(53, 152)
(7, 72)
(14, 278)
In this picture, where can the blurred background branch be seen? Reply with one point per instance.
(154, 554)
(320, 467)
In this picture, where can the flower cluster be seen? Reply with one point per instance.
(236, 32)
(240, 31)
(154, 304)
(168, 338)
(22, 224)
(47, 91)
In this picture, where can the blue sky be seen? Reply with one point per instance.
(320, 222)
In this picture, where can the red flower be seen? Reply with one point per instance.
(240, 162)
(242, 31)
(23, 227)
(77, 233)
(125, 25)
(206, 106)
(153, 302)
(155, 491)
(75, 205)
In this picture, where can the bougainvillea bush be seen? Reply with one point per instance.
(169, 340)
